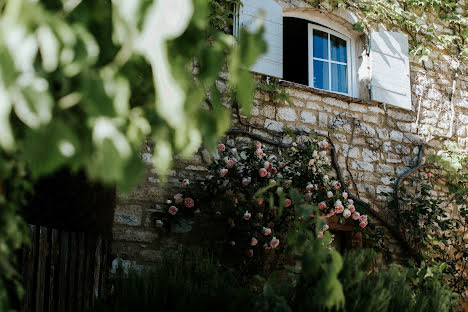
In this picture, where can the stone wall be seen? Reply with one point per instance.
(374, 143)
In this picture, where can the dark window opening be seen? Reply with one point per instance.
(295, 50)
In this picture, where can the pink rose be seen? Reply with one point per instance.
(345, 195)
(271, 158)
(287, 183)
(336, 184)
(247, 215)
(260, 202)
(326, 227)
(329, 194)
(231, 223)
(173, 210)
(351, 208)
(350, 201)
(179, 198)
(230, 164)
(320, 234)
(185, 181)
(322, 206)
(330, 214)
(356, 215)
(221, 148)
(274, 242)
(308, 195)
(232, 243)
(223, 172)
(273, 171)
(259, 152)
(346, 213)
(189, 203)
(159, 224)
(363, 224)
(309, 187)
(260, 216)
(363, 218)
(258, 145)
(266, 231)
(311, 162)
(272, 181)
(246, 181)
(234, 150)
(197, 212)
(266, 246)
(282, 164)
(323, 153)
(262, 172)
(250, 253)
(339, 209)
(253, 241)
(287, 202)
(429, 175)
(267, 165)
(218, 213)
(324, 144)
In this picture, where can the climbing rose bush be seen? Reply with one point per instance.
(248, 192)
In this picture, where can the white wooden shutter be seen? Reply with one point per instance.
(270, 63)
(390, 80)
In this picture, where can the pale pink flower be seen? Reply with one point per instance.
(363, 218)
(308, 195)
(246, 181)
(250, 253)
(351, 208)
(221, 147)
(185, 181)
(266, 247)
(159, 223)
(230, 164)
(320, 234)
(363, 224)
(267, 165)
(273, 171)
(309, 187)
(324, 144)
(326, 227)
(173, 210)
(311, 162)
(234, 151)
(168, 201)
(266, 231)
(218, 213)
(233, 243)
(262, 172)
(189, 203)
(345, 195)
(271, 158)
(272, 181)
(253, 241)
(260, 216)
(258, 145)
(231, 222)
(322, 205)
(223, 172)
(197, 212)
(287, 202)
(259, 152)
(330, 214)
(247, 215)
(274, 242)
(356, 215)
(329, 194)
(179, 198)
(260, 202)
(282, 164)
(429, 175)
(336, 184)
(350, 201)
(323, 153)
(339, 209)
(346, 213)
(287, 183)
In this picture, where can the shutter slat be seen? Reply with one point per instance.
(390, 82)
(271, 62)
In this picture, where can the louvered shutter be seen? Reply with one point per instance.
(270, 63)
(390, 82)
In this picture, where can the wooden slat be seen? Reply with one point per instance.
(72, 272)
(29, 270)
(54, 269)
(41, 269)
(97, 269)
(80, 271)
(63, 273)
(103, 273)
(89, 274)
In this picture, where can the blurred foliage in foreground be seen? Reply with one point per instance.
(83, 83)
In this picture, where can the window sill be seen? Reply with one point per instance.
(345, 98)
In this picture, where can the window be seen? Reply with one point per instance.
(329, 54)
(316, 56)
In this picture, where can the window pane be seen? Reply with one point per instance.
(339, 78)
(320, 44)
(338, 49)
(321, 75)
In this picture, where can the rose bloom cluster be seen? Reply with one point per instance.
(258, 223)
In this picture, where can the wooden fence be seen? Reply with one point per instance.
(63, 271)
